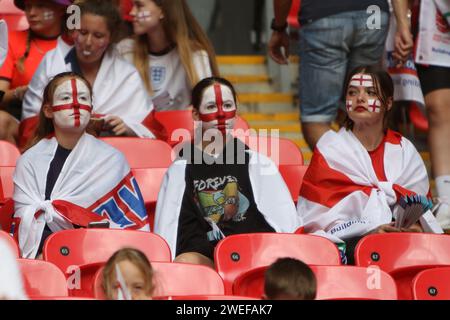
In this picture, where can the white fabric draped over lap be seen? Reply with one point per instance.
(92, 170)
(117, 90)
(371, 202)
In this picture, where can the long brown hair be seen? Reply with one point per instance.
(45, 126)
(384, 88)
(137, 258)
(182, 29)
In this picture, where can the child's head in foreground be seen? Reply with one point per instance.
(289, 279)
(136, 271)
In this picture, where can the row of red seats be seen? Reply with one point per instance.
(407, 265)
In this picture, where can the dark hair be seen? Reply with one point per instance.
(106, 9)
(289, 277)
(383, 84)
(45, 126)
(197, 91)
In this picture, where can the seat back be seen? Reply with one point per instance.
(80, 247)
(9, 154)
(11, 242)
(393, 251)
(177, 279)
(432, 284)
(149, 160)
(239, 253)
(333, 282)
(42, 279)
(403, 255)
(6, 183)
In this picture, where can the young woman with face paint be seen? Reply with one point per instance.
(359, 176)
(25, 51)
(118, 92)
(208, 194)
(170, 50)
(67, 177)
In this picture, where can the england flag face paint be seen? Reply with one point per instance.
(218, 108)
(143, 16)
(361, 80)
(72, 105)
(48, 15)
(349, 105)
(374, 105)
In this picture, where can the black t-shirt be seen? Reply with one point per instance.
(316, 9)
(56, 165)
(218, 201)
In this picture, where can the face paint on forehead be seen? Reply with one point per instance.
(216, 95)
(72, 95)
(361, 80)
(374, 105)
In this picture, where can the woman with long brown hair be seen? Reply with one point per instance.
(68, 177)
(25, 52)
(170, 50)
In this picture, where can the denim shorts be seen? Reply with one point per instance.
(329, 48)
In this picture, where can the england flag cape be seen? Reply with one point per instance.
(118, 89)
(95, 184)
(433, 43)
(3, 41)
(271, 196)
(341, 196)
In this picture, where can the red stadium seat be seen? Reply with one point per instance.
(206, 297)
(12, 243)
(6, 214)
(8, 154)
(333, 283)
(42, 279)
(403, 255)
(177, 279)
(14, 17)
(418, 119)
(148, 160)
(432, 284)
(8, 158)
(239, 253)
(286, 155)
(89, 249)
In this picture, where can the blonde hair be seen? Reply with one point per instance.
(134, 256)
(181, 27)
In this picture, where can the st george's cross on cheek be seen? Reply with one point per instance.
(72, 105)
(349, 105)
(361, 80)
(374, 105)
(217, 109)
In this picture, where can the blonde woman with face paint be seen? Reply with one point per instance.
(120, 98)
(359, 176)
(210, 193)
(68, 177)
(170, 50)
(25, 51)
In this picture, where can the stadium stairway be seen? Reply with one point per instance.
(264, 108)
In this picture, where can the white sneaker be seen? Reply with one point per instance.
(442, 212)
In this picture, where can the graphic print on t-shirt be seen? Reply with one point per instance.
(220, 201)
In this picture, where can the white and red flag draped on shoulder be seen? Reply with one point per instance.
(95, 184)
(342, 197)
